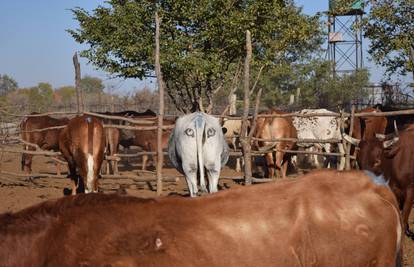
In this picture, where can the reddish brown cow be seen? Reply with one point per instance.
(147, 140)
(116, 136)
(47, 139)
(272, 128)
(365, 128)
(126, 138)
(396, 164)
(82, 143)
(326, 218)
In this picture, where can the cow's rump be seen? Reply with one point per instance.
(326, 218)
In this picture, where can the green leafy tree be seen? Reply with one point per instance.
(313, 83)
(390, 28)
(40, 96)
(91, 85)
(67, 93)
(201, 41)
(7, 84)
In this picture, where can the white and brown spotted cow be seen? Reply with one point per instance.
(322, 128)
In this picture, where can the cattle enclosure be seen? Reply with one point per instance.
(10, 138)
(171, 182)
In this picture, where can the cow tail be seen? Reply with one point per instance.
(199, 131)
(90, 172)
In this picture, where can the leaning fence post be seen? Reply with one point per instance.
(348, 148)
(79, 94)
(244, 138)
(160, 154)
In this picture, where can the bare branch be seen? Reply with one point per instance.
(257, 80)
(256, 110)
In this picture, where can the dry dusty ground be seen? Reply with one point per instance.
(18, 193)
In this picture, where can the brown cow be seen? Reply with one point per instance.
(82, 143)
(147, 140)
(326, 218)
(272, 128)
(47, 139)
(366, 128)
(396, 163)
(127, 138)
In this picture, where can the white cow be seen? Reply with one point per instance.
(232, 137)
(195, 144)
(322, 128)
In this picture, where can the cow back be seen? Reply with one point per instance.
(48, 139)
(326, 218)
(273, 128)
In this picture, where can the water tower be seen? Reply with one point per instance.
(345, 35)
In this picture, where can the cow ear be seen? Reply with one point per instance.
(224, 129)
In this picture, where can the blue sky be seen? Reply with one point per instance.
(34, 46)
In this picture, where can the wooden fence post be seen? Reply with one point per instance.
(348, 148)
(79, 93)
(244, 138)
(160, 155)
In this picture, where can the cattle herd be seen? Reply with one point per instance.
(324, 218)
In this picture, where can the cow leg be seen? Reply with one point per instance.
(213, 173)
(238, 167)
(280, 165)
(341, 149)
(190, 172)
(107, 169)
(71, 167)
(270, 165)
(144, 162)
(27, 163)
(314, 157)
(115, 167)
(114, 163)
(408, 203)
(328, 163)
(72, 175)
(58, 172)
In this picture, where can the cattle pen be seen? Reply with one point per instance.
(10, 138)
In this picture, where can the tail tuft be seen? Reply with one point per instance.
(89, 175)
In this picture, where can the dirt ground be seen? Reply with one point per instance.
(19, 193)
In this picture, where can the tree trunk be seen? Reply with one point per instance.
(160, 155)
(244, 138)
(79, 94)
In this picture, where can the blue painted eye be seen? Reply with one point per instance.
(189, 132)
(211, 132)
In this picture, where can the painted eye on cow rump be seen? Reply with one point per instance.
(211, 132)
(189, 132)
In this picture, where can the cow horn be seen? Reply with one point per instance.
(383, 137)
(388, 143)
(396, 128)
(380, 137)
(350, 139)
